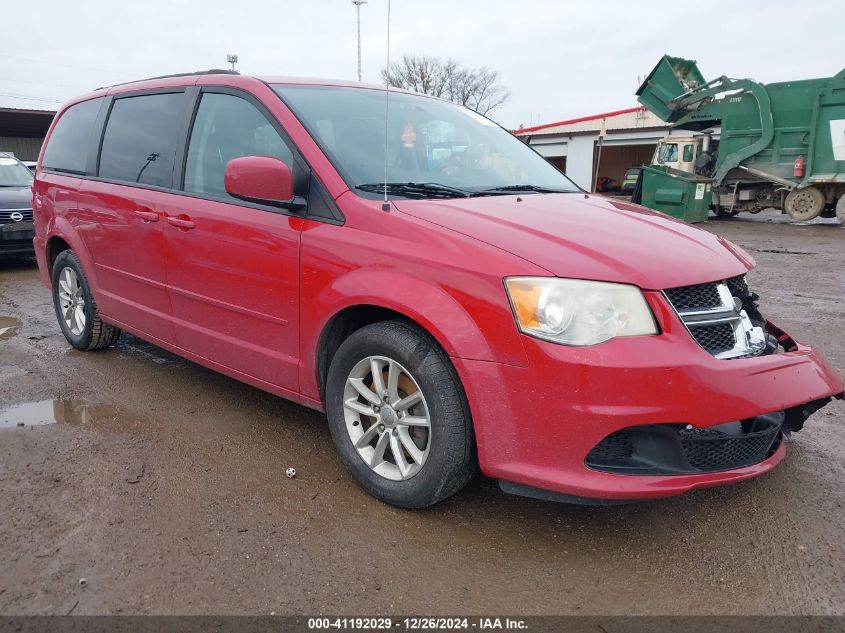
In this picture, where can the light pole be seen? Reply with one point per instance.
(232, 59)
(358, 4)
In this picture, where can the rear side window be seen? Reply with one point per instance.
(67, 149)
(140, 141)
(228, 127)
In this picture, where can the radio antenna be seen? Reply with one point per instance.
(385, 205)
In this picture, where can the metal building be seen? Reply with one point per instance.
(23, 130)
(630, 137)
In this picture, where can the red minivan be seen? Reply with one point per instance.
(451, 300)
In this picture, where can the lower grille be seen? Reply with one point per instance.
(614, 448)
(676, 449)
(711, 449)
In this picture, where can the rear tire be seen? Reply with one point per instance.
(368, 428)
(804, 204)
(840, 209)
(76, 309)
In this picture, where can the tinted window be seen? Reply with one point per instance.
(688, 153)
(67, 149)
(227, 127)
(141, 137)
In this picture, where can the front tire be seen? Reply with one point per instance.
(76, 308)
(399, 417)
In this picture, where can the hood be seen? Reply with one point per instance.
(15, 198)
(590, 237)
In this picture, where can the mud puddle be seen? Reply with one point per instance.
(96, 416)
(8, 327)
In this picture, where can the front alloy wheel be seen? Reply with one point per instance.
(387, 418)
(398, 415)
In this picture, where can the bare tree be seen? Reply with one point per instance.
(476, 88)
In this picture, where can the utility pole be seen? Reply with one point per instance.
(232, 59)
(358, 4)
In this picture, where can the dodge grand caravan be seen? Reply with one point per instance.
(446, 296)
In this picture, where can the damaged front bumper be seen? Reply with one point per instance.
(671, 449)
(684, 419)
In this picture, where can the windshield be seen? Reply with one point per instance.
(667, 153)
(428, 141)
(14, 174)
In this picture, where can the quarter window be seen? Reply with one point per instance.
(141, 137)
(228, 127)
(67, 149)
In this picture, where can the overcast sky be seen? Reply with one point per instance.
(559, 59)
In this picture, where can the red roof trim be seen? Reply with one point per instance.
(591, 117)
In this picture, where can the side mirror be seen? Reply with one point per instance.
(263, 180)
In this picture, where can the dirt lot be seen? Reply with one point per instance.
(163, 486)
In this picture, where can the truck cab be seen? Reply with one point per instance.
(678, 152)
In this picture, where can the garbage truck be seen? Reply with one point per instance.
(779, 145)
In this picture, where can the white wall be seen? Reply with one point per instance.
(579, 160)
(579, 150)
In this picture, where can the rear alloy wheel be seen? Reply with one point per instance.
(804, 204)
(75, 307)
(398, 415)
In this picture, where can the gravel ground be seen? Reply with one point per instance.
(160, 488)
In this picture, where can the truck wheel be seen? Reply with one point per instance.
(804, 204)
(840, 209)
(76, 309)
(399, 417)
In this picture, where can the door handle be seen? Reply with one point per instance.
(182, 222)
(147, 216)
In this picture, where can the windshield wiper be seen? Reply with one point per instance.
(518, 188)
(415, 189)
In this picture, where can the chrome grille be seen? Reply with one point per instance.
(698, 297)
(6, 215)
(716, 338)
(716, 324)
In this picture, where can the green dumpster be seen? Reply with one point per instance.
(676, 193)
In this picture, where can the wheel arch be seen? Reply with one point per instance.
(463, 325)
(348, 320)
(61, 236)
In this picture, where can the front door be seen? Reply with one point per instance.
(233, 267)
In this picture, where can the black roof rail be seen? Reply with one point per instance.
(211, 71)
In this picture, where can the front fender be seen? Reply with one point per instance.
(466, 326)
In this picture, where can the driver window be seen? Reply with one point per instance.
(688, 153)
(227, 127)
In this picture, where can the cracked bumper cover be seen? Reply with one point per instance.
(536, 425)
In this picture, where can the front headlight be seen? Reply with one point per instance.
(576, 312)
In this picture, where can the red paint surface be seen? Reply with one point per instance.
(261, 177)
(249, 292)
